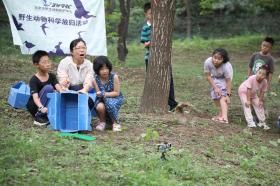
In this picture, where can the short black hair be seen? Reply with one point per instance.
(264, 67)
(147, 6)
(100, 62)
(269, 40)
(75, 42)
(37, 56)
(223, 53)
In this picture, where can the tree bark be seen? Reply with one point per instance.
(189, 18)
(111, 6)
(122, 30)
(157, 82)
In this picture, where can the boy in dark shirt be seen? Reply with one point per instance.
(41, 84)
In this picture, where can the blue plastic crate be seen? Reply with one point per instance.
(19, 95)
(69, 111)
(93, 97)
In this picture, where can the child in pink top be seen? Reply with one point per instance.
(251, 92)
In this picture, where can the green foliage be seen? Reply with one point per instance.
(206, 6)
(150, 135)
(271, 5)
(239, 6)
(234, 44)
(247, 164)
(136, 21)
(112, 21)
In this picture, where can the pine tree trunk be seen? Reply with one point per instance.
(157, 82)
(122, 30)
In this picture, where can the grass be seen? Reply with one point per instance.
(203, 153)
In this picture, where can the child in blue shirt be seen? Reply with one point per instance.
(146, 32)
(109, 96)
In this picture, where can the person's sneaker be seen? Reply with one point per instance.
(41, 120)
(172, 107)
(100, 126)
(117, 127)
(260, 124)
(252, 125)
(264, 125)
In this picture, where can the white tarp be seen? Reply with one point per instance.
(51, 25)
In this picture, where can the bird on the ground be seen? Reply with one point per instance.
(28, 45)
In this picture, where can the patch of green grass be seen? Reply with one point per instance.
(237, 44)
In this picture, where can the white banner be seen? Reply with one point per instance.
(51, 25)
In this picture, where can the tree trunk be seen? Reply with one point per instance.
(157, 82)
(110, 6)
(189, 18)
(122, 30)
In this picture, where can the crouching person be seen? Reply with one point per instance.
(41, 84)
(251, 93)
(109, 96)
